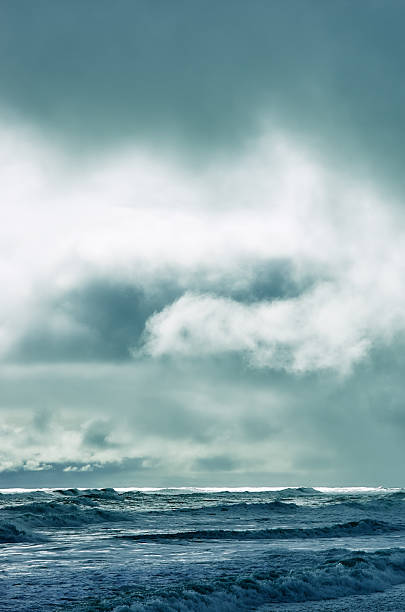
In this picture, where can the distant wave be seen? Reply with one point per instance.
(111, 493)
(374, 503)
(352, 528)
(56, 514)
(297, 492)
(107, 493)
(243, 508)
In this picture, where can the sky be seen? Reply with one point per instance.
(202, 243)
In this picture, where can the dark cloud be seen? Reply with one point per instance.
(97, 434)
(109, 317)
(41, 420)
(270, 280)
(172, 418)
(205, 71)
(218, 463)
(257, 427)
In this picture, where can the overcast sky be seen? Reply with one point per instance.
(202, 242)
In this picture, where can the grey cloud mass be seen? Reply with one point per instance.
(203, 73)
(194, 426)
(111, 315)
(201, 243)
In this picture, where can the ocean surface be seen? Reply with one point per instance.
(263, 549)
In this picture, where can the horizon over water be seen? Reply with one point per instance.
(202, 548)
(202, 273)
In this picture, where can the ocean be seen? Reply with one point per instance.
(183, 549)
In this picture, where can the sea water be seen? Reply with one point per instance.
(266, 549)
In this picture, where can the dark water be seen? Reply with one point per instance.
(202, 549)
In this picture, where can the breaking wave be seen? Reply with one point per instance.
(298, 492)
(11, 533)
(199, 549)
(343, 575)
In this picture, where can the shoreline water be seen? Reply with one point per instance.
(205, 548)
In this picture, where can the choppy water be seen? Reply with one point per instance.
(202, 549)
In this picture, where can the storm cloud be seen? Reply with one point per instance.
(202, 243)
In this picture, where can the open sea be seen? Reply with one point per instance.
(266, 549)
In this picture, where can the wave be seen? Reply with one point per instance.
(352, 528)
(57, 514)
(242, 508)
(145, 502)
(110, 493)
(390, 499)
(373, 503)
(11, 533)
(297, 492)
(96, 494)
(344, 575)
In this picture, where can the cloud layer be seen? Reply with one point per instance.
(270, 254)
(202, 75)
(202, 243)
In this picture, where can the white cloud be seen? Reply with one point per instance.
(143, 217)
(331, 325)
(325, 328)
